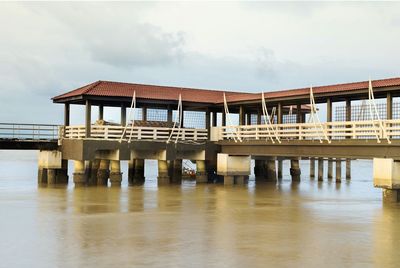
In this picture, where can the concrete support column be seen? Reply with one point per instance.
(80, 174)
(240, 179)
(103, 172)
(123, 115)
(177, 171)
(312, 167)
(280, 168)
(259, 170)
(42, 175)
(208, 122)
(348, 168)
(299, 116)
(51, 176)
(389, 106)
(66, 114)
(229, 180)
(101, 112)
(320, 169)
(131, 171)
(271, 169)
(201, 172)
(139, 172)
(115, 173)
(242, 117)
(295, 171)
(330, 168)
(94, 167)
(338, 170)
(223, 118)
(163, 177)
(391, 195)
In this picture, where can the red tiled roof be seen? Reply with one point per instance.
(153, 92)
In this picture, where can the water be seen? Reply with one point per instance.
(307, 224)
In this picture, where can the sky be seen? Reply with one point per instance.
(49, 48)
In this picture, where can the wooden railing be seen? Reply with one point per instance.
(379, 130)
(137, 133)
(29, 132)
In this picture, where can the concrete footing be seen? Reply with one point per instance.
(239, 179)
(80, 173)
(176, 176)
(295, 171)
(320, 169)
(94, 168)
(163, 177)
(201, 172)
(53, 175)
(103, 173)
(390, 195)
(338, 174)
(115, 173)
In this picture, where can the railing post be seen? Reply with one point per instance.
(257, 135)
(139, 133)
(300, 129)
(195, 134)
(106, 132)
(155, 134)
(353, 127)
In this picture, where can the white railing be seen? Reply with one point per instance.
(137, 133)
(384, 129)
(30, 132)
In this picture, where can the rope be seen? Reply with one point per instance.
(133, 104)
(314, 117)
(371, 100)
(227, 115)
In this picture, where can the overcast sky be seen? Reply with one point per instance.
(49, 48)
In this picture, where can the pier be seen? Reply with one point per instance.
(220, 131)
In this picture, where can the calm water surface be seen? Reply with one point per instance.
(307, 224)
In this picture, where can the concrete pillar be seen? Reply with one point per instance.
(242, 117)
(229, 180)
(123, 115)
(201, 173)
(139, 172)
(240, 179)
(51, 176)
(66, 114)
(208, 122)
(320, 169)
(177, 171)
(144, 113)
(259, 170)
(298, 114)
(295, 169)
(94, 167)
(80, 175)
(223, 118)
(312, 167)
(280, 168)
(103, 172)
(115, 173)
(338, 170)
(214, 118)
(88, 118)
(390, 195)
(271, 169)
(163, 177)
(248, 119)
(131, 171)
(279, 114)
(389, 106)
(348, 168)
(42, 175)
(330, 168)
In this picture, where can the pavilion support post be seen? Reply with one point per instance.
(115, 173)
(298, 114)
(208, 122)
(123, 115)
(176, 176)
(320, 169)
(88, 118)
(259, 170)
(94, 168)
(338, 174)
(280, 168)
(131, 171)
(144, 113)
(389, 106)
(101, 112)
(248, 118)
(279, 114)
(295, 171)
(271, 169)
(169, 116)
(214, 118)
(330, 168)
(138, 177)
(183, 118)
(103, 173)
(201, 171)
(163, 176)
(312, 167)
(223, 118)
(329, 116)
(258, 116)
(242, 118)
(348, 168)
(67, 111)
(80, 173)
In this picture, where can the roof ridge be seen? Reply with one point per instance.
(94, 85)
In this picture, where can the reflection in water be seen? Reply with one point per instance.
(283, 223)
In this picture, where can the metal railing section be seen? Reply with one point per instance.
(138, 133)
(372, 129)
(29, 132)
